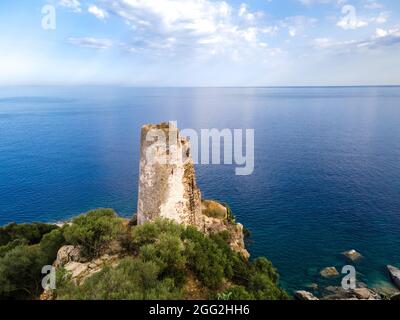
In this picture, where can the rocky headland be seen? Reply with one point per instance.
(177, 245)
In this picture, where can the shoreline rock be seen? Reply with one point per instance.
(361, 293)
(394, 275)
(305, 295)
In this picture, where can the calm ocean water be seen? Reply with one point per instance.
(327, 164)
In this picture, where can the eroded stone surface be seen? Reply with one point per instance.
(68, 254)
(70, 258)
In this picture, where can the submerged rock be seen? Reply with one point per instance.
(395, 275)
(329, 272)
(352, 255)
(305, 295)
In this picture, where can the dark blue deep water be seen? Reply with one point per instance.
(327, 164)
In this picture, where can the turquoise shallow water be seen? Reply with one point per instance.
(326, 179)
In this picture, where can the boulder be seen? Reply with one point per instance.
(305, 295)
(352, 255)
(385, 289)
(395, 275)
(329, 272)
(68, 254)
(76, 269)
(80, 271)
(338, 293)
(364, 293)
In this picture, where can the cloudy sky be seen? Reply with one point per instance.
(200, 42)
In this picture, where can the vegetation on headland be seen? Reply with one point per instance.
(158, 260)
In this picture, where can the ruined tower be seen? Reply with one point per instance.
(167, 183)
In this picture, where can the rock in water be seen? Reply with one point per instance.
(352, 255)
(395, 275)
(329, 272)
(305, 295)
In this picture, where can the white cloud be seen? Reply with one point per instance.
(381, 18)
(381, 39)
(71, 4)
(372, 5)
(297, 24)
(92, 43)
(207, 27)
(98, 12)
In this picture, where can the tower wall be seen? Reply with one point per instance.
(167, 183)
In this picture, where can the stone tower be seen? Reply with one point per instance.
(167, 183)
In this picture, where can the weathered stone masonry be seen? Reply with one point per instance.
(167, 183)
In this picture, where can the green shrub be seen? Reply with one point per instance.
(32, 232)
(150, 232)
(94, 230)
(168, 252)
(132, 279)
(235, 292)
(11, 245)
(205, 258)
(231, 215)
(264, 266)
(51, 243)
(20, 272)
(263, 288)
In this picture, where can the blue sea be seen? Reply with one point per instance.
(326, 178)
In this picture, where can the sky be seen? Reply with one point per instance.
(200, 42)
